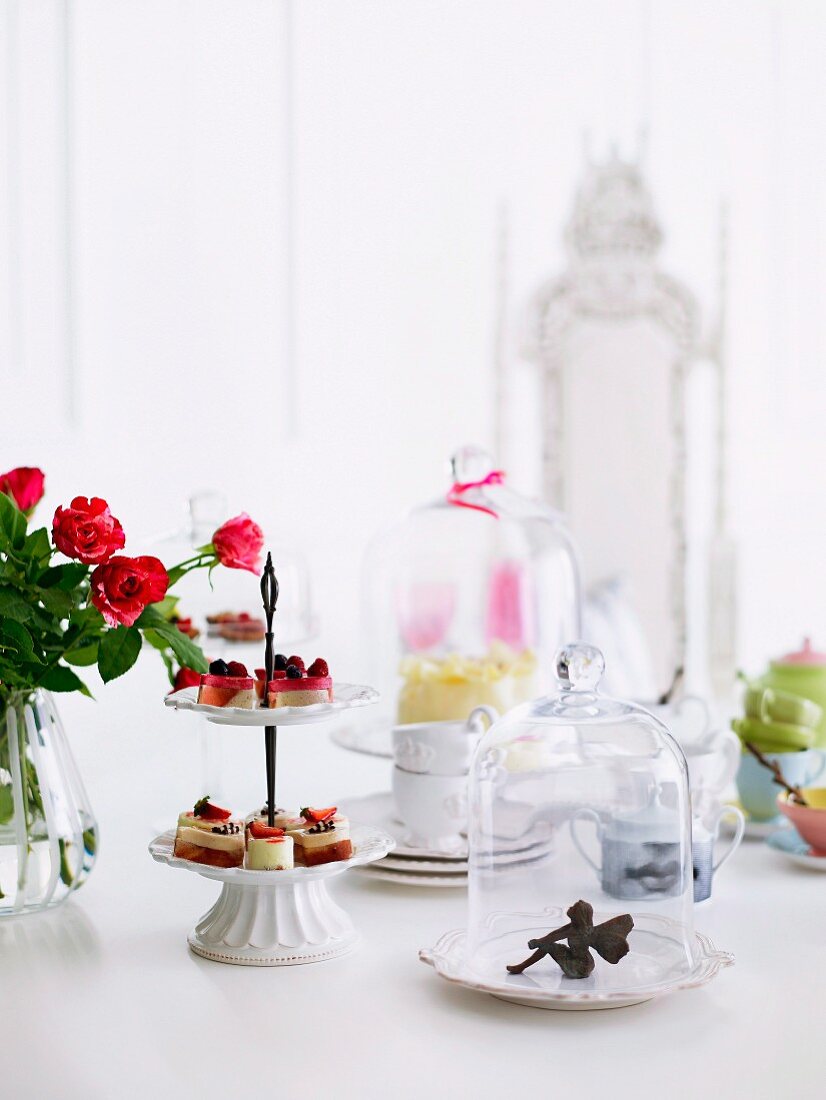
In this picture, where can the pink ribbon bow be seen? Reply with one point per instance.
(495, 477)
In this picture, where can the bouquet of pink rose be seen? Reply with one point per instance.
(74, 600)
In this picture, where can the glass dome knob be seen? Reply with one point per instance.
(579, 667)
(470, 464)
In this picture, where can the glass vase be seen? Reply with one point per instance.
(48, 834)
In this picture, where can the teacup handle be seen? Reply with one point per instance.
(766, 699)
(697, 705)
(819, 770)
(739, 829)
(731, 752)
(593, 816)
(479, 713)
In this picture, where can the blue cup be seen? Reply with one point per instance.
(755, 783)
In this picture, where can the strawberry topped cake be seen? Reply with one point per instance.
(293, 685)
(227, 685)
(209, 834)
(268, 849)
(320, 836)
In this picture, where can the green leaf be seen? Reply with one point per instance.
(167, 606)
(14, 604)
(185, 650)
(65, 577)
(150, 616)
(119, 649)
(6, 804)
(155, 640)
(61, 678)
(15, 635)
(86, 655)
(56, 601)
(12, 523)
(37, 547)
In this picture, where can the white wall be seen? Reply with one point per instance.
(411, 123)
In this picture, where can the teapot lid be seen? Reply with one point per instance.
(806, 655)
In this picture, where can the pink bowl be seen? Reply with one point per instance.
(810, 821)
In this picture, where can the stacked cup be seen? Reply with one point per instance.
(431, 761)
(712, 756)
(783, 726)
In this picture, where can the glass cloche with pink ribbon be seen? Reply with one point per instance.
(467, 598)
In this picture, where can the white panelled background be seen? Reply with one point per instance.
(252, 245)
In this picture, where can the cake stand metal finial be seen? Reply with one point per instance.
(269, 594)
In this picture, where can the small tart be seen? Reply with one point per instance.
(227, 691)
(215, 848)
(325, 842)
(270, 854)
(303, 692)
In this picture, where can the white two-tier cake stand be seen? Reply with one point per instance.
(276, 918)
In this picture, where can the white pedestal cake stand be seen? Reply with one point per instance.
(275, 918)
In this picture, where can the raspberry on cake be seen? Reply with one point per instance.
(295, 686)
(227, 685)
(322, 837)
(209, 834)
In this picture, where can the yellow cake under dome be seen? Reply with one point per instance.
(445, 688)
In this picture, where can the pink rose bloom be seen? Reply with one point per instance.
(238, 543)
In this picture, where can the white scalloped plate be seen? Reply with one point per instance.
(403, 878)
(347, 696)
(369, 844)
(551, 990)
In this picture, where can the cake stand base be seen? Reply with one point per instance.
(273, 925)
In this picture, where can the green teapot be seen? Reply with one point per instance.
(802, 673)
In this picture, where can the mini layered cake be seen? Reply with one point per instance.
(320, 836)
(227, 685)
(281, 818)
(294, 686)
(235, 626)
(209, 834)
(268, 849)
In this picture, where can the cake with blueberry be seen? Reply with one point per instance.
(227, 685)
(268, 849)
(209, 834)
(320, 836)
(293, 685)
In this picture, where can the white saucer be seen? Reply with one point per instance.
(346, 696)
(371, 739)
(791, 844)
(378, 871)
(660, 966)
(754, 830)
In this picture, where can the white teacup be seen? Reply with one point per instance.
(712, 770)
(688, 719)
(441, 748)
(432, 807)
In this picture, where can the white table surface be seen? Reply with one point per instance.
(102, 998)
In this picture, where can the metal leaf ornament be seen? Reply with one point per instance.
(609, 939)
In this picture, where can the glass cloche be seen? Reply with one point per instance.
(467, 599)
(577, 797)
(228, 609)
